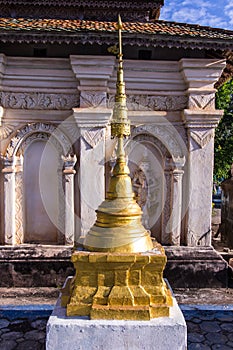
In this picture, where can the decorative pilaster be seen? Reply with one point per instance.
(68, 173)
(93, 75)
(172, 212)
(167, 208)
(200, 121)
(13, 200)
(176, 215)
(19, 214)
(92, 129)
(9, 201)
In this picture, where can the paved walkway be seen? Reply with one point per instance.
(22, 334)
(23, 327)
(210, 329)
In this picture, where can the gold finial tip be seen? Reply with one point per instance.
(119, 22)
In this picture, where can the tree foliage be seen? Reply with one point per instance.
(223, 147)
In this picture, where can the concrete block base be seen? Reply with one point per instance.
(79, 333)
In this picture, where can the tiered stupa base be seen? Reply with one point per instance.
(120, 286)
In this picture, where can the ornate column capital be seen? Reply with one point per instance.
(177, 174)
(93, 74)
(201, 119)
(69, 163)
(12, 164)
(200, 75)
(90, 118)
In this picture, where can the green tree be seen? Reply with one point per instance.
(223, 147)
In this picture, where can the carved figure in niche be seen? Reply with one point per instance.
(140, 187)
(147, 187)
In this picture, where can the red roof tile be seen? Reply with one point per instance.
(158, 27)
(155, 32)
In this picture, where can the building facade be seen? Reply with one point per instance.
(58, 74)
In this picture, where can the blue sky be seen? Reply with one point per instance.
(213, 13)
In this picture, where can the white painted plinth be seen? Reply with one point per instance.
(80, 333)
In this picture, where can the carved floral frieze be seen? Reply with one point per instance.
(38, 100)
(153, 103)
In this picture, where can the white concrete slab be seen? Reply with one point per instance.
(79, 333)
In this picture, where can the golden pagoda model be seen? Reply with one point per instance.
(119, 270)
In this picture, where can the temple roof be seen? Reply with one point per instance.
(138, 34)
(77, 3)
(137, 10)
(149, 34)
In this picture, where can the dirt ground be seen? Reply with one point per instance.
(29, 296)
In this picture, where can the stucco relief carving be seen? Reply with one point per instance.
(41, 131)
(153, 103)
(38, 100)
(140, 186)
(93, 136)
(202, 138)
(147, 138)
(41, 136)
(202, 102)
(165, 135)
(6, 130)
(92, 99)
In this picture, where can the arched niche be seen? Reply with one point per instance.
(41, 177)
(151, 159)
(36, 186)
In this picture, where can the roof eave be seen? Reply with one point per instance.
(110, 38)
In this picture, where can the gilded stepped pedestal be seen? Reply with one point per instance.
(119, 271)
(119, 285)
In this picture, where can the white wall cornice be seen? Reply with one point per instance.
(92, 117)
(201, 119)
(201, 73)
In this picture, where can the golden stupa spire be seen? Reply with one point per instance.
(120, 125)
(118, 227)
